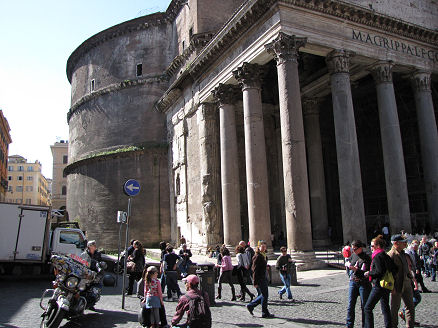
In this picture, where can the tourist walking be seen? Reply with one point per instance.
(424, 251)
(259, 266)
(162, 247)
(225, 275)
(416, 293)
(360, 262)
(249, 251)
(284, 266)
(412, 251)
(434, 260)
(402, 282)
(153, 297)
(380, 263)
(243, 265)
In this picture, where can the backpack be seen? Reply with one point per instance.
(199, 315)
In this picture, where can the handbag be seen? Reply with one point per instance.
(387, 280)
(130, 266)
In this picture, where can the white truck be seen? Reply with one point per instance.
(27, 239)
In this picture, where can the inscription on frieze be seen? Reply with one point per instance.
(388, 43)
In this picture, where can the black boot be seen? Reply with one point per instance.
(218, 296)
(233, 298)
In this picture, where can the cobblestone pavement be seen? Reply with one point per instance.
(321, 302)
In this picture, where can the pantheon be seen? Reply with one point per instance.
(303, 122)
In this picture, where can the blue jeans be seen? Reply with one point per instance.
(262, 297)
(285, 278)
(377, 294)
(433, 267)
(356, 288)
(163, 282)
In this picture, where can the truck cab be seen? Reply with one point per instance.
(67, 238)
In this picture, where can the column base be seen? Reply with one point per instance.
(305, 261)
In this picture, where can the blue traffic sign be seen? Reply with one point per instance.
(131, 187)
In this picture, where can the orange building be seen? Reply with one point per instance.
(5, 140)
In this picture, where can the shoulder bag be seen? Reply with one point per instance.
(387, 280)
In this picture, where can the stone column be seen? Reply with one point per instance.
(350, 181)
(225, 94)
(249, 77)
(209, 169)
(315, 164)
(393, 159)
(296, 190)
(429, 142)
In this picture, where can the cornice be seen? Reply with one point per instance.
(115, 31)
(251, 11)
(145, 148)
(111, 88)
(368, 17)
(197, 42)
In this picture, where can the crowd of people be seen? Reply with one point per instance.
(368, 280)
(389, 277)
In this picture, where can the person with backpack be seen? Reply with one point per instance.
(195, 303)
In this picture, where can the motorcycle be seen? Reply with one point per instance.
(76, 288)
(119, 265)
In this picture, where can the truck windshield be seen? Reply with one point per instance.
(71, 237)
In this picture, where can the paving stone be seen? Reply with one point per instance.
(322, 298)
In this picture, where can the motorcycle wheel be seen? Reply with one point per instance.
(53, 316)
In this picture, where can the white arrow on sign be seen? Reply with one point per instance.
(131, 187)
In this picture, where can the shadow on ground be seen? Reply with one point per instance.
(102, 318)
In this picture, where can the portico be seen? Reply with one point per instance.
(342, 163)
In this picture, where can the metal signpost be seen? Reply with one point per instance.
(131, 188)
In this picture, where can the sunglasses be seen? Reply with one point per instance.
(355, 248)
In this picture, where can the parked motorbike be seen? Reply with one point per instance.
(119, 265)
(76, 288)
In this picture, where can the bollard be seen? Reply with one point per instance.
(293, 274)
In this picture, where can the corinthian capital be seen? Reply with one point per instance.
(285, 47)
(338, 61)
(382, 72)
(249, 75)
(421, 81)
(226, 93)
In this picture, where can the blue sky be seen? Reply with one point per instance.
(36, 39)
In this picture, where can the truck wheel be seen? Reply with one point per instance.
(53, 316)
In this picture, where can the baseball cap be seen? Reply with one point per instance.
(192, 279)
(398, 238)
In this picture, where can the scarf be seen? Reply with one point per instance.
(375, 252)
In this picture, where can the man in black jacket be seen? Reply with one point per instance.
(259, 266)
